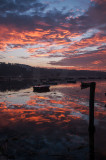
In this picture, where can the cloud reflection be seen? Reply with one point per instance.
(51, 108)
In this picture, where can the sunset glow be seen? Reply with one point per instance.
(60, 34)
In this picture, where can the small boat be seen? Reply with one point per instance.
(41, 88)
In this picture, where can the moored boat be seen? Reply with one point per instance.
(41, 88)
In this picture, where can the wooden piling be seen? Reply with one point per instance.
(92, 86)
(91, 106)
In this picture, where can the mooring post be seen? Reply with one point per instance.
(91, 102)
(91, 121)
(91, 106)
(92, 86)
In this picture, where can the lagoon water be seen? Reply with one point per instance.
(52, 125)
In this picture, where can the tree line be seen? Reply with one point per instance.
(26, 71)
(15, 70)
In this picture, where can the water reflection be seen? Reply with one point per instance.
(15, 85)
(52, 123)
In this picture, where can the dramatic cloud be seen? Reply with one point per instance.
(49, 31)
(92, 60)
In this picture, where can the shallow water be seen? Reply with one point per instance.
(52, 125)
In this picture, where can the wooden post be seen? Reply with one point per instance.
(91, 121)
(92, 86)
(91, 102)
(91, 106)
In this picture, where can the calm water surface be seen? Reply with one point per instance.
(51, 125)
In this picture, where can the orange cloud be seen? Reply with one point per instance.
(97, 62)
(96, 40)
(50, 43)
(35, 37)
(11, 36)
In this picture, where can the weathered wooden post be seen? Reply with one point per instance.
(92, 86)
(91, 106)
(91, 103)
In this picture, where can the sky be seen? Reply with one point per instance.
(66, 34)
